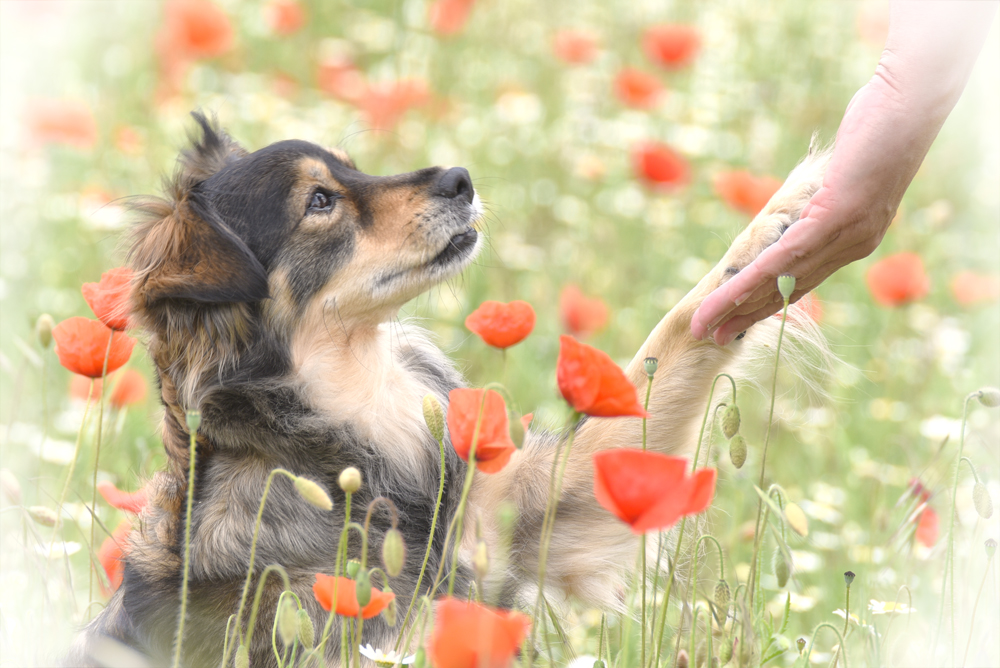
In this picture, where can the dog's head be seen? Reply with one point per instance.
(293, 223)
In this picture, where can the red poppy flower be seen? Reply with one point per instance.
(581, 315)
(448, 17)
(745, 192)
(502, 325)
(638, 89)
(68, 122)
(592, 383)
(383, 105)
(81, 345)
(970, 288)
(649, 490)
(111, 556)
(342, 79)
(809, 306)
(671, 46)
(928, 527)
(194, 29)
(898, 279)
(470, 635)
(129, 388)
(659, 166)
(347, 599)
(79, 386)
(526, 420)
(576, 47)
(493, 447)
(110, 299)
(129, 141)
(284, 17)
(130, 502)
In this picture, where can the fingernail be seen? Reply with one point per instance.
(727, 339)
(742, 298)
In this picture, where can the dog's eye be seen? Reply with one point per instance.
(321, 201)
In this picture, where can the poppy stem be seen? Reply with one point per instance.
(192, 447)
(812, 642)
(460, 512)
(895, 606)
(254, 608)
(97, 459)
(847, 620)
(642, 539)
(972, 623)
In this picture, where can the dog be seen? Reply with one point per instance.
(266, 284)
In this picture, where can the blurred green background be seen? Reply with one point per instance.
(95, 104)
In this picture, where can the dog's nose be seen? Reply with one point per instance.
(455, 183)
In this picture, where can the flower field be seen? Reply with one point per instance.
(618, 149)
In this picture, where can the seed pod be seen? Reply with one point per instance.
(10, 486)
(849, 578)
(722, 595)
(434, 416)
(242, 657)
(781, 568)
(363, 588)
(650, 364)
(738, 451)
(599, 663)
(390, 610)
(313, 493)
(991, 548)
(481, 560)
(786, 286)
(989, 397)
(350, 480)
(353, 566)
(981, 499)
(288, 623)
(43, 329)
(43, 515)
(731, 421)
(801, 644)
(393, 552)
(307, 634)
(193, 419)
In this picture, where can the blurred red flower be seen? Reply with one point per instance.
(470, 635)
(448, 17)
(129, 141)
(284, 17)
(872, 22)
(809, 306)
(384, 104)
(745, 192)
(79, 386)
(671, 46)
(111, 555)
(81, 345)
(898, 279)
(526, 420)
(575, 47)
(110, 299)
(592, 383)
(342, 79)
(970, 288)
(194, 29)
(638, 89)
(659, 166)
(68, 122)
(347, 598)
(130, 502)
(928, 527)
(493, 446)
(502, 325)
(129, 388)
(649, 490)
(581, 315)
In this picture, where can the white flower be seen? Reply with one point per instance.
(885, 608)
(385, 659)
(854, 618)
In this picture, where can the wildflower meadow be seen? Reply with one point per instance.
(839, 509)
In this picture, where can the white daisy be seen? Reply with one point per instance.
(385, 659)
(885, 608)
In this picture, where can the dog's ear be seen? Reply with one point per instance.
(184, 251)
(208, 154)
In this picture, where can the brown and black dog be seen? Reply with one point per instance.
(266, 283)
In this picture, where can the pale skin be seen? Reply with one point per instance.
(886, 131)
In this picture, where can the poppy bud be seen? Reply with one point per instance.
(393, 552)
(991, 548)
(849, 578)
(722, 594)
(313, 493)
(350, 480)
(390, 610)
(989, 397)
(307, 634)
(599, 663)
(288, 623)
(193, 419)
(726, 653)
(738, 451)
(363, 588)
(786, 286)
(42, 515)
(517, 431)
(242, 659)
(43, 329)
(983, 502)
(650, 364)
(420, 660)
(731, 421)
(434, 416)
(801, 644)
(796, 519)
(10, 486)
(353, 566)
(481, 560)
(782, 569)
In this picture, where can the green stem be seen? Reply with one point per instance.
(642, 539)
(972, 468)
(975, 605)
(97, 456)
(192, 447)
(813, 641)
(847, 620)
(694, 627)
(254, 608)
(470, 472)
